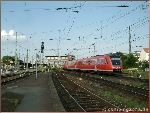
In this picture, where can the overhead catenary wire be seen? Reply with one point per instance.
(99, 30)
(125, 31)
(121, 15)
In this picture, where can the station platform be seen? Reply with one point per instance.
(39, 93)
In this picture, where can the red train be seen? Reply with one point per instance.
(100, 63)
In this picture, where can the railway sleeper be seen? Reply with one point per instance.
(87, 98)
(88, 102)
(118, 85)
(84, 105)
(93, 109)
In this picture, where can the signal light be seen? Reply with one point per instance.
(42, 47)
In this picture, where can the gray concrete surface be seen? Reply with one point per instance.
(40, 94)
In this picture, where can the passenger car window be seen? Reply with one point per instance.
(106, 61)
(99, 62)
(102, 61)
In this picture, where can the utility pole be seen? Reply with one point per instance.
(129, 41)
(16, 57)
(24, 63)
(94, 50)
(43, 57)
(32, 61)
(58, 48)
(101, 29)
(27, 60)
(19, 59)
(40, 60)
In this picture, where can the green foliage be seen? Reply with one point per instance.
(8, 58)
(131, 61)
(13, 58)
(15, 101)
(143, 64)
(128, 61)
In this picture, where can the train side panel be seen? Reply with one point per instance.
(71, 65)
(102, 64)
(65, 65)
(86, 64)
(109, 63)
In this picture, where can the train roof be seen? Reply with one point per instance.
(110, 54)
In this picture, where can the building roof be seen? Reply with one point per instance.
(146, 50)
(137, 51)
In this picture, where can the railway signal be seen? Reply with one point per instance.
(42, 47)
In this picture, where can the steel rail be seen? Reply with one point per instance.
(118, 85)
(95, 94)
(71, 96)
(102, 99)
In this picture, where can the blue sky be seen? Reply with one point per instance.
(37, 22)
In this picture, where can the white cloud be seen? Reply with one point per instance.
(3, 32)
(11, 32)
(10, 36)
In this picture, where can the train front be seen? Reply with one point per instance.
(116, 63)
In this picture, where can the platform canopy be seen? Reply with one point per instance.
(59, 60)
(56, 58)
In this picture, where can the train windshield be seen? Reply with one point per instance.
(115, 61)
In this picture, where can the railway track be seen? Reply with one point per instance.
(125, 77)
(140, 93)
(77, 98)
(118, 77)
(11, 77)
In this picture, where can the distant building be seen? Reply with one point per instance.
(59, 61)
(137, 54)
(144, 54)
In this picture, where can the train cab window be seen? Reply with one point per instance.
(102, 61)
(115, 61)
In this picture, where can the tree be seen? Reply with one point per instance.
(13, 58)
(131, 61)
(128, 61)
(6, 58)
(143, 64)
